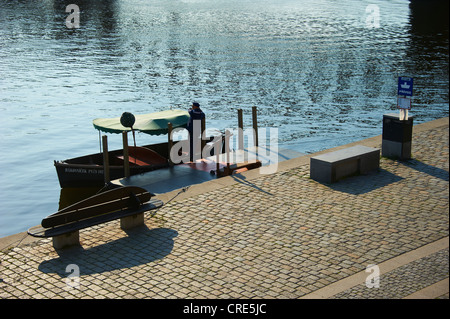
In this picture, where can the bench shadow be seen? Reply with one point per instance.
(141, 246)
(427, 169)
(362, 184)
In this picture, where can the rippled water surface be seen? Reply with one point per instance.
(322, 72)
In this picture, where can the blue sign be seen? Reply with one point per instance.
(405, 86)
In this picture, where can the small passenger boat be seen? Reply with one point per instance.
(87, 170)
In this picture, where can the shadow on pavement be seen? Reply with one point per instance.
(362, 184)
(241, 179)
(142, 246)
(427, 169)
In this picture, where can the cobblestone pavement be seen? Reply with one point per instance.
(404, 280)
(282, 235)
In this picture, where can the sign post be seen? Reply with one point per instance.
(397, 130)
(404, 94)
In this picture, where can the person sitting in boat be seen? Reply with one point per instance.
(195, 113)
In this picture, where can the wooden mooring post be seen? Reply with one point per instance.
(217, 161)
(227, 149)
(126, 158)
(105, 159)
(170, 142)
(255, 125)
(203, 136)
(240, 130)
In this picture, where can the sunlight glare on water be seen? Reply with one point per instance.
(319, 71)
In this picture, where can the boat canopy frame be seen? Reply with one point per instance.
(152, 123)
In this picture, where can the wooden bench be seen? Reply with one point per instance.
(333, 166)
(125, 203)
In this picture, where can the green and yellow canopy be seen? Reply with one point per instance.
(151, 123)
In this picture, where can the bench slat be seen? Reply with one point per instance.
(103, 203)
(87, 212)
(107, 196)
(39, 231)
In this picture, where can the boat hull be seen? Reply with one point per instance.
(88, 170)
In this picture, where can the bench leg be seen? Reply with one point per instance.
(132, 221)
(66, 240)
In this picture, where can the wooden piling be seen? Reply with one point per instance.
(105, 159)
(203, 136)
(227, 147)
(170, 142)
(217, 160)
(255, 126)
(126, 158)
(240, 130)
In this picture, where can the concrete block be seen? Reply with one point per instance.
(396, 150)
(66, 240)
(333, 166)
(369, 161)
(397, 130)
(397, 137)
(132, 221)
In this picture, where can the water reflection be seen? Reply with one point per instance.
(429, 20)
(99, 16)
(311, 67)
(70, 196)
(428, 51)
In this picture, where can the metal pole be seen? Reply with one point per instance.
(100, 140)
(105, 159)
(126, 160)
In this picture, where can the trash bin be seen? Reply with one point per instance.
(397, 137)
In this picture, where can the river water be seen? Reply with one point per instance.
(322, 72)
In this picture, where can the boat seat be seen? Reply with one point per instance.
(134, 160)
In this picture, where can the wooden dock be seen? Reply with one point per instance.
(178, 176)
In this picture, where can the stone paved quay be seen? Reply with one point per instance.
(281, 235)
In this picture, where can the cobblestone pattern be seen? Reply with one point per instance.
(404, 280)
(278, 236)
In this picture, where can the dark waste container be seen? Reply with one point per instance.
(397, 137)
